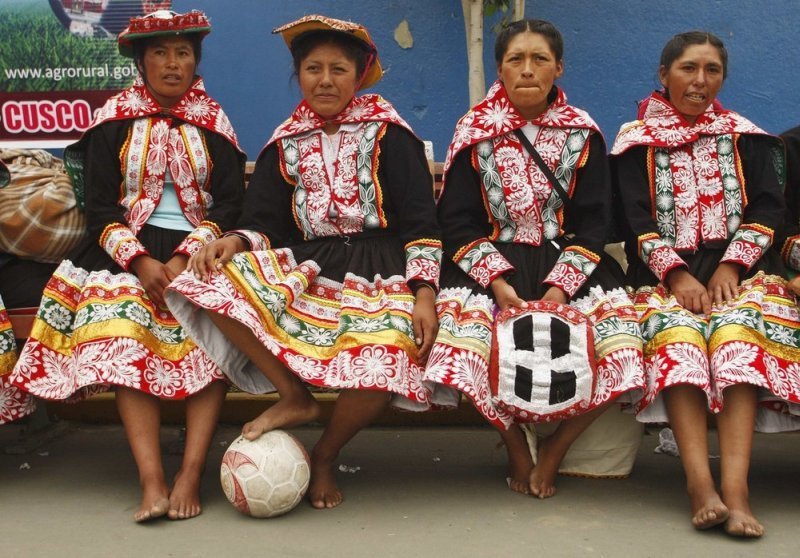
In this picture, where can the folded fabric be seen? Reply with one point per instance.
(39, 218)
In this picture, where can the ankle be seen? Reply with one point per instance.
(323, 456)
(154, 483)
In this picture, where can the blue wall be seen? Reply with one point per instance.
(611, 55)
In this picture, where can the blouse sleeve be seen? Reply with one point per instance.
(589, 218)
(765, 209)
(634, 188)
(266, 220)
(227, 193)
(410, 186)
(466, 223)
(105, 219)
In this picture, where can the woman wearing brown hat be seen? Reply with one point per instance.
(161, 174)
(331, 276)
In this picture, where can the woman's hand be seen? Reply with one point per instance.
(505, 295)
(213, 256)
(688, 291)
(554, 294)
(154, 276)
(724, 284)
(794, 285)
(177, 265)
(425, 321)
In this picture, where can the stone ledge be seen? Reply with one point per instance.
(241, 407)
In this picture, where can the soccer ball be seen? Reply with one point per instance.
(266, 477)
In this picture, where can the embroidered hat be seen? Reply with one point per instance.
(162, 22)
(373, 71)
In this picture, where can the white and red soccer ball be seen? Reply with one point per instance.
(266, 477)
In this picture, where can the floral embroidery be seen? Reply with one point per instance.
(339, 205)
(204, 234)
(121, 244)
(481, 261)
(748, 244)
(572, 269)
(423, 260)
(659, 256)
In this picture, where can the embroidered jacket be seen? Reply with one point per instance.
(380, 181)
(517, 200)
(133, 135)
(698, 189)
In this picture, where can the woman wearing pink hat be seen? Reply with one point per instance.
(161, 174)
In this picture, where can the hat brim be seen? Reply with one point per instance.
(291, 31)
(126, 44)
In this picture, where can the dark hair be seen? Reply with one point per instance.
(354, 49)
(678, 44)
(139, 47)
(539, 26)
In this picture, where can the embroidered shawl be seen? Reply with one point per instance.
(366, 108)
(516, 217)
(697, 189)
(658, 124)
(495, 116)
(157, 145)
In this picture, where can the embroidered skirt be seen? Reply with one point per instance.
(460, 357)
(337, 313)
(96, 328)
(14, 403)
(754, 340)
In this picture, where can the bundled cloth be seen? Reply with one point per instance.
(39, 217)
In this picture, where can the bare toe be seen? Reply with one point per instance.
(743, 524)
(520, 462)
(323, 492)
(708, 511)
(283, 414)
(520, 486)
(149, 511)
(542, 478)
(184, 500)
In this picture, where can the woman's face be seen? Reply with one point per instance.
(328, 80)
(693, 80)
(169, 67)
(528, 70)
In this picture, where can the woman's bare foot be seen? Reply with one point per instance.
(520, 462)
(708, 510)
(743, 523)
(542, 477)
(154, 503)
(184, 500)
(287, 412)
(323, 492)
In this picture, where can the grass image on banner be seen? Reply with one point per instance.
(38, 53)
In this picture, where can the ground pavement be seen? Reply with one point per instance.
(413, 492)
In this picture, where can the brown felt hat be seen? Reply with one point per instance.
(372, 73)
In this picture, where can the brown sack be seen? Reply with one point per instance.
(39, 218)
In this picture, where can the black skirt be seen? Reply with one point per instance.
(532, 264)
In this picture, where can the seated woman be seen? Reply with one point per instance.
(14, 403)
(505, 224)
(329, 279)
(162, 175)
(702, 199)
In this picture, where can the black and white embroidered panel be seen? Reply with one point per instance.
(543, 363)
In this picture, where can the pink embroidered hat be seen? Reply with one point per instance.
(162, 22)
(373, 71)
